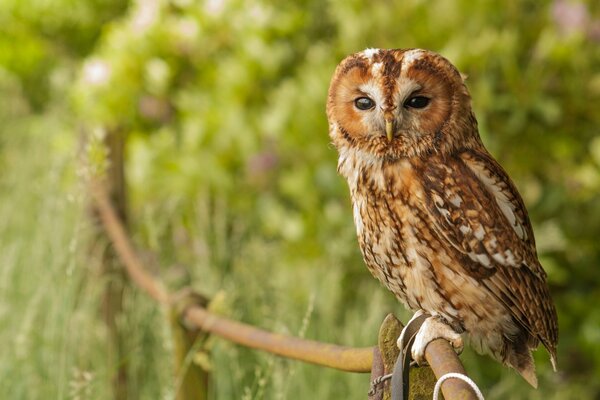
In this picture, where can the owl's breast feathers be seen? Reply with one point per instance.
(450, 235)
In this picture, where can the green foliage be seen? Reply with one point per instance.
(233, 184)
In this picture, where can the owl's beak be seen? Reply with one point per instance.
(389, 129)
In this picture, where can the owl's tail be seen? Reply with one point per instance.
(524, 365)
(517, 355)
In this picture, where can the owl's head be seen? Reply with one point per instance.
(400, 103)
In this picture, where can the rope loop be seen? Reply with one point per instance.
(469, 381)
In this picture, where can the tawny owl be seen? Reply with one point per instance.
(439, 221)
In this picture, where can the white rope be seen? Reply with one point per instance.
(469, 381)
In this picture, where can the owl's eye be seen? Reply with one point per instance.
(417, 102)
(364, 103)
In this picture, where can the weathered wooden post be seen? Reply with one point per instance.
(192, 378)
(112, 146)
(422, 380)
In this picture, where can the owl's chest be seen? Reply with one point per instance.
(382, 225)
(392, 228)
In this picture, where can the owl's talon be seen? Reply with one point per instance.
(402, 341)
(434, 328)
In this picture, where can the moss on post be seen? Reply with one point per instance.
(422, 380)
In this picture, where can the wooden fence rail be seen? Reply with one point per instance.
(193, 315)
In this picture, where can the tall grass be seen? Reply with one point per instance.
(54, 344)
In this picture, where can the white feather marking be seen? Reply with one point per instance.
(349, 170)
(411, 255)
(439, 205)
(506, 206)
(483, 259)
(346, 167)
(500, 258)
(370, 52)
(358, 203)
(510, 257)
(376, 69)
(452, 311)
(411, 56)
(479, 233)
(520, 231)
(464, 229)
(456, 200)
(444, 212)
(371, 89)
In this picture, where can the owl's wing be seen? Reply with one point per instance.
(477, 209)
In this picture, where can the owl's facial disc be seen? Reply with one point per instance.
(397, 103)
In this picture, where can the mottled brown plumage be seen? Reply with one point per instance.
(439, 221)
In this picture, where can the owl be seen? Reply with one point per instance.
(439, 222)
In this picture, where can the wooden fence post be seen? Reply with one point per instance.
(192, 378)
(112, 298)
(422, 380)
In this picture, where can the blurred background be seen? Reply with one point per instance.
(231, 183)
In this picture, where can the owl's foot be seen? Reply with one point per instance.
(410, 330)
(433, 328)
